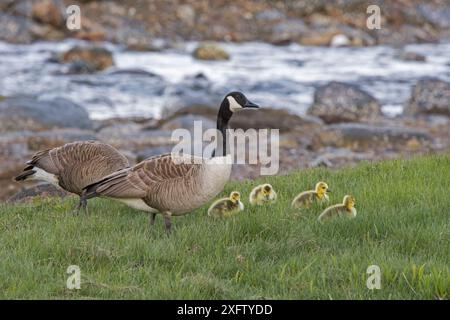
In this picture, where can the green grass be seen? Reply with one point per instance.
(403, 226)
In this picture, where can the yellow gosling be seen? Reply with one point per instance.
(306, 198)
(263, 194)
(346, 209)
(226, 207)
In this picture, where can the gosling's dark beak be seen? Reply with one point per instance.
(328, 190)
(250, 104)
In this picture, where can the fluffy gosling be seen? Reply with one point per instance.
(263, 194)
(226, 207)
(346, 209)
(306, 198)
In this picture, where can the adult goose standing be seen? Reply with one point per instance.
(173, 184)
(74, 166)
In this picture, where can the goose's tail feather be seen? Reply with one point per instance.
(28, 172)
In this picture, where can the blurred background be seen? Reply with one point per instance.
(338, 91)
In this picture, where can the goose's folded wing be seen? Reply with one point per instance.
(141, 179)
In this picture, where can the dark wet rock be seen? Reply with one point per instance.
(97, 57)
(24, 113)
(267, 118)
(341, 102)
(80, 67)
(429, 96)
(362, 136)
(133, 72)
(210, 51)
(43, 190)
(411, 56)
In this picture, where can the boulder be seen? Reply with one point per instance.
(210, 51)
(341, 102)
(26, 113)
(97, 58)
(42, 190)
(15, 29)
(267, 118)
(429, 96)
(411, 56)
(50, 12)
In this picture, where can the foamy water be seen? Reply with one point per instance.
(279, 77)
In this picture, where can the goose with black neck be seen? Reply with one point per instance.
(174, 185)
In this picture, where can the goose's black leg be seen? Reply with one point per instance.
(167, 221)
(83, 203)
(152, 219)
(76, 211)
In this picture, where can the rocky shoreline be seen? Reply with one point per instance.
(319, 139)
(154, 25)
(343, 125)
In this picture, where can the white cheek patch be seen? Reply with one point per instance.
(234, 105)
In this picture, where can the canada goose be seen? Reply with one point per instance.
(74, 166)
(262, 194)
(226, 207)
(170, 185)
(346, 209)
(306, 198)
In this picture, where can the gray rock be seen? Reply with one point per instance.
(341, 102)
(43, 190)
(411, 56)
(15, 29)
(288, 31)
(24, 113)
(429, 96)
(438, 16)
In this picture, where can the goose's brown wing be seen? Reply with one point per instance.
(80, 163)
(142, 179)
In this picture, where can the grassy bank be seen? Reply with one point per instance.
(403, 226)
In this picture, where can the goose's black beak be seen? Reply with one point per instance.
(328, 190)
(250, 104)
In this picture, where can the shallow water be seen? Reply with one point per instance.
(280, 77)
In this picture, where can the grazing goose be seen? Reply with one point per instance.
(170, 185)
(226, 207)
(306, 198)
(74, 166)
(346, 209)
(262, 194)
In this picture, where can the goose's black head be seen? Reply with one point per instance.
(233, 102)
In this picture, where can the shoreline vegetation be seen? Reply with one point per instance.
(263, 252)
